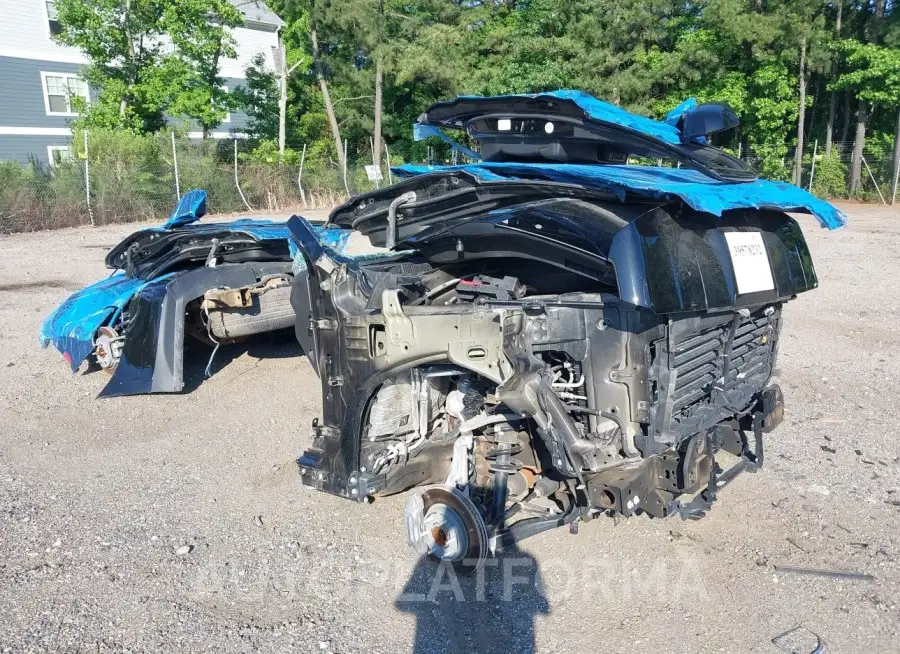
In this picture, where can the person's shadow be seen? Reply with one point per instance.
(490, 611)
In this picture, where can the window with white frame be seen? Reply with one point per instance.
(59, 89)
(52, 17)
(58, 154)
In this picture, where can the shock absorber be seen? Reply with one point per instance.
(506, 446)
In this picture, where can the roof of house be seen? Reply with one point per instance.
(256, 11)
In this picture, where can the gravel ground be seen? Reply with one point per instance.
(163, 523)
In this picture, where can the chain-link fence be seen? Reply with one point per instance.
(827, 175)
(111, 177)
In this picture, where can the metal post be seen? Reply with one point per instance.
(872, 177)
(236, 182)
(894, 188)
(812, 171)
(896, 174)
(346, 187)
(375, 162)
(387, 157)
(87, 178)
(300, 176)
(740, 148)
(175, 165)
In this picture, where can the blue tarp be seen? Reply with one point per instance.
(693, 187)
(72, 326)
(610, 113)
(190, 208)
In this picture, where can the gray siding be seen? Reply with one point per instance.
(20, 148)
(22, 105)
(21, 95)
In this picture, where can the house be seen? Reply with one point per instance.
(38, 76)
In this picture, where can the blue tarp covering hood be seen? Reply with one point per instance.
(694, 188)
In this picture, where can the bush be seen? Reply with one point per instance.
(33, 197)
(830, 179)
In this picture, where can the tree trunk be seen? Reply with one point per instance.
(845, 127)
(896, 166)
(832, 106)
(282, 99)
(379, 76)
(323, 84)
(123, 104)
(859, 143)
(379, 82)
(801, 116)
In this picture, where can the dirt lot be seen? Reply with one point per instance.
(99, 499)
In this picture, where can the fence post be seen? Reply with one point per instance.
(87, 178)
(236, 182)
(346, 187)
(300, 177)
(812, 171)
(375, 162)
(896, 171)
(872, 177)
(894, 186)
(175, 164)
(387, 156)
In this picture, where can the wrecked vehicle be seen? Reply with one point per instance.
(552, 333)
(217, 282)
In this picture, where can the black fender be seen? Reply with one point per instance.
(153, 353)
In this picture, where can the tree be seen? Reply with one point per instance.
(832, 103)
(859, 140)
(874, 75)
(200, 46)
(259, 98)
(137, 75)
(129, 65)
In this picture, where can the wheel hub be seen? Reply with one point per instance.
(443, 524)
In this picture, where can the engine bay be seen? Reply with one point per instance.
(508, 380)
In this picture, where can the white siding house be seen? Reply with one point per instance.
(38, 76)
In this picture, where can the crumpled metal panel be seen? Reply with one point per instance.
(71, 327)
(693, 187)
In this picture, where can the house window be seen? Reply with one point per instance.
(59, 89)
(58, 154)
(52, 18)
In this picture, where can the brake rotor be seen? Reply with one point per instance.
(107, 349)
(443, 524)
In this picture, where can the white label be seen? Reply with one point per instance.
(752, 270)
(373, 172)
(504, 124)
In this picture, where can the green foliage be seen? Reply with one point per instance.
(259, 97)
(135, 76)
(830, 180)
(646, 56)
(873, 72)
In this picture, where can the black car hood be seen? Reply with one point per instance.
(663, 256)
(150, 253)
(570, 126)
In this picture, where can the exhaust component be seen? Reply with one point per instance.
(233, 313)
